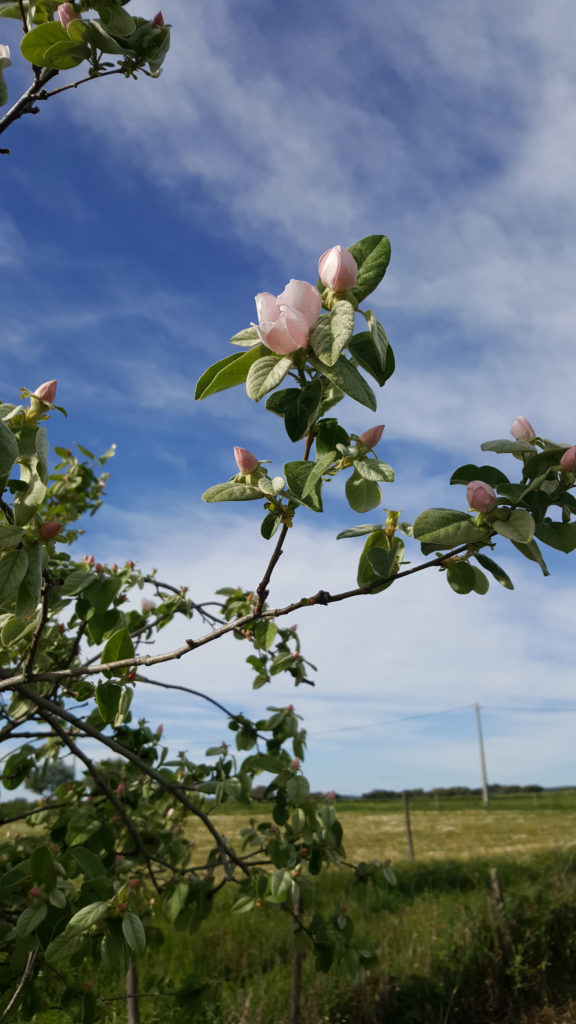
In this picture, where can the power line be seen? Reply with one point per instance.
(442, 711)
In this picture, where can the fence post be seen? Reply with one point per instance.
(501, 919)
(296, 987)
(132, 1007)
(406, 807)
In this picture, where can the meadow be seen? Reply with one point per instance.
(442, 954)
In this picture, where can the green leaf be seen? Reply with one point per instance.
(378, 336)
(13, 567)
(280, 886)
(246, 338)
(367, 574)
(134, 933)
(346, 377)
(30, 919)
(64, 946)
(297, 474)
(498, 573)
(242, 905)
(123, 706)
(117, 648)
(482, 584)
(266, 374)
(298, 406)
(362, 495)
(561, 536)
(543, 461)
(319, 468)
(38, 42)
(488, 474)
(264, 634)
(11, 536)
(176, 901)
(43, 867)
(362, 349)
(270, 524)
(83, 919)
(107, 699)
(329, 434)
(15, 629)
(232, 491)
(505, 447)
(518, 527)
(372, 254)
(332, 332)
(80, 828)
(65, 55)
(447, 528)
(359, 531)
(76, 581)
(27, 502)
(89, 863)
(298, 790)
(461, 577)
(374, 469)
(30, 589)
(227, 373)
(8, 448)
(102, 592)
(382, 560)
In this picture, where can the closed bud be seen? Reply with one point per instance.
(120, 789)
(34, 892)
(480, 496)
(89, 559)
(47, 391)
(133, 883)
(522, 429)
(338, 269)
(568, 460)
(66, 13)
(48, 531)
(158, 19)
(245, 460)
(295, 763)
(159, 730)
(371, 437)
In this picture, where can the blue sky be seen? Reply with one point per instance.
(140, 219)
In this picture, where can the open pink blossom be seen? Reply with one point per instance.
(338, 269)
(568, 460)
(66, 13)
(47, 391)
(245, 460)
(522, 429)
(284, 321)
(480, 496)
(371, 437)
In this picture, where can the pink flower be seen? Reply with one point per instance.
(284, 321)
(158, 19)
(66, 13)
(295, 763)
(89, 559)
(47, 392)
(159, 730)
(522, 429)
(338, 269)
(133, 883)
(120, 789)
(147, 605)
(480, 496)
(371, 437)
(34, 892)
(48, 531)
(568, 460)
(245, 460)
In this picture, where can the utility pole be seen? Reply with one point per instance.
(482, 757)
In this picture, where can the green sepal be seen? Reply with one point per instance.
(232, 491)
(372, 254)
(346, 377)
(227, 373)
(332, 332)
(447, 528)
(265, 374)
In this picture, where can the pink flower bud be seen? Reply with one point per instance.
(245, 460)
(34, 892)
(133, 883)
(284, 321)
(295, 763)
(159, 730)
(331, 795)
(66, 13)
(169, 812)
(47, 392)
(147, 606)
(158, 19)
(338, 269)
(371, 437)
(480, 496)
(48, 531)
(290, 707)
(522, 429)
(120, 789)
(89, 559)
(568, 460)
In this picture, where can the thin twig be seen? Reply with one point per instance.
(27, 970)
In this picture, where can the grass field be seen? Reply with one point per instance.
(441, 955)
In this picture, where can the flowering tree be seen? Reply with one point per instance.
(109, 854)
